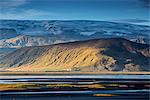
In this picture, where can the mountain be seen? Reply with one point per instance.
(49, 31)
(5, 51)
(6, 33)
(28, 40)
(39, 40)
(111, 54)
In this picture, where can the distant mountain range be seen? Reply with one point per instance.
(112, 54)
(75, 45)
(21, 33)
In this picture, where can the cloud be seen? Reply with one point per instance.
(145, 3)
(10, 9)
(11, 3)
(24, 14)
(135, 20)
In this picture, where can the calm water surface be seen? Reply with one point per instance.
(70, 87)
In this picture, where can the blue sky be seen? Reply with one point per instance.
(108, 10)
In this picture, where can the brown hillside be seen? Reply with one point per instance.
(113, 54)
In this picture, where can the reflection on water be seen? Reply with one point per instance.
(80, 76)
(75, 85)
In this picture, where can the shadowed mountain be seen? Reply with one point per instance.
(6, 33)
(112, 54)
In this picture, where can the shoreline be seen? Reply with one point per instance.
(74, 73)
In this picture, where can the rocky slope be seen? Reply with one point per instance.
(113, 54)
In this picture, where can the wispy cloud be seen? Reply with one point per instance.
(135, 21)
(11, 3)
(11, 9)
(24, 14)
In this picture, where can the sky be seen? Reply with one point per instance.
(107, 10)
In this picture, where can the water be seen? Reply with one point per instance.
(78, 76)
(71, 87)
